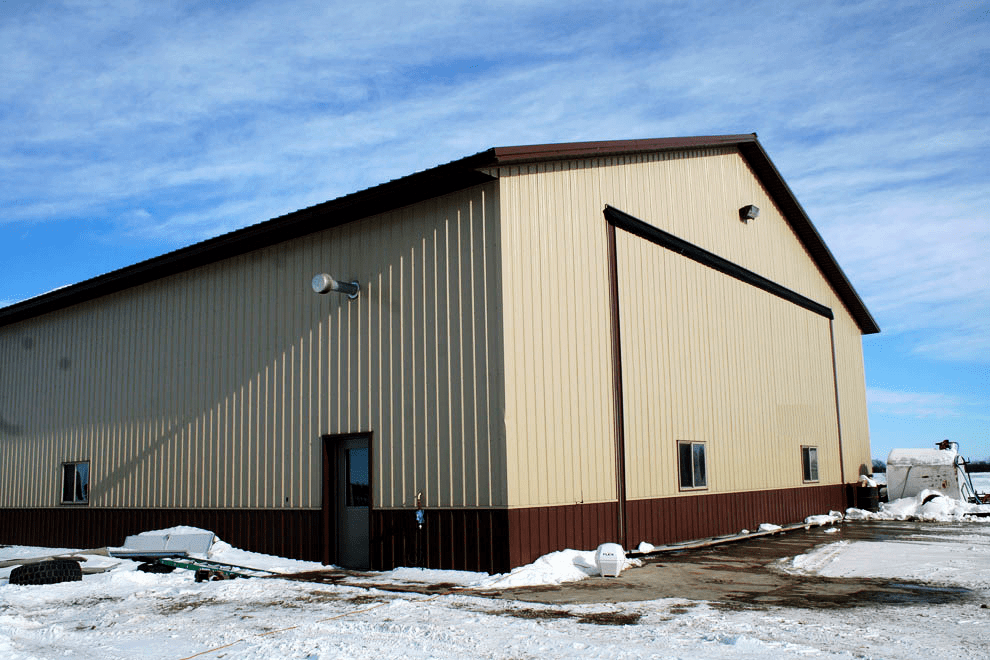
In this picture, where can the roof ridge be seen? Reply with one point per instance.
(553, 151)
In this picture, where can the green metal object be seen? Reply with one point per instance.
(214, 568)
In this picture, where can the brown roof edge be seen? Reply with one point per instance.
(540, 152)
(767, 173)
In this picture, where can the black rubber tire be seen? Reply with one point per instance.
(155, 567)
(52, 571)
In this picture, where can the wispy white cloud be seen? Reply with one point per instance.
(173, 122)
(914, 404)
(918, 255)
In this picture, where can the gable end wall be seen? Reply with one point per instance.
(559, 412)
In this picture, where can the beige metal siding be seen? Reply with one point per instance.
(558, 412)
(709, 358)
(851, 378)
(559, 422)
(211, 388)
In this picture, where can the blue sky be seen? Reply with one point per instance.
(128, 129)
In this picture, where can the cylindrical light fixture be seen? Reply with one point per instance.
(323, 283)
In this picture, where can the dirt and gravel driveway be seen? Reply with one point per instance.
(743, 575)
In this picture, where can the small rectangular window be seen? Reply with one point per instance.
(358, 484)
(692, 465)
(75, 483)
(809, 463)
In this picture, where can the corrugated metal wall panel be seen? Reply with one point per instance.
(558, 353)
(746, 372)
(211, 388)
(851, 380)
(557, 341)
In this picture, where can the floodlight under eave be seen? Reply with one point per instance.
(323, 283)
(749, 212)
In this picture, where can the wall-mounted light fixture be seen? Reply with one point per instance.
(749, 212)
(323, 283)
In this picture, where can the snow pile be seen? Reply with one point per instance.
(769, 527)
(178, 530)
(554, 568)
(824, 519)
(191, 540)
(928, 505)
(223, 552)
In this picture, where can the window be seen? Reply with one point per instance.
(693, 468)
(809, 463)
(358, 484)
(75, 483)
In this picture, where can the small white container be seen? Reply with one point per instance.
(610, 559)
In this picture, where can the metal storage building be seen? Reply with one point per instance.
(553, 346)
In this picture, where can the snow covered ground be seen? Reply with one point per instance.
(124, 613)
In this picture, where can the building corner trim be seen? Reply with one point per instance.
(617, 397)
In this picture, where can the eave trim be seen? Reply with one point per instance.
(765, 171)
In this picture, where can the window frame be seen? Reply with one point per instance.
(81, 481)
(807, 465)
(692, 444)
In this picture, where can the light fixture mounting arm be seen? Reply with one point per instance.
(323, 283)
